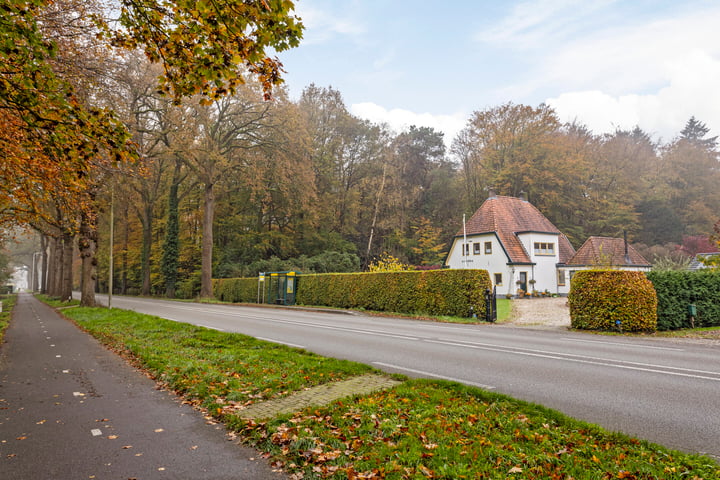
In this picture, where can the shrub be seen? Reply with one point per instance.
(677, 290)
(599, 299)
(240, 290)
(438, 292)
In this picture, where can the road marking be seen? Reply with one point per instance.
(634, 345)
(642, 367)
(282, 343)
(211, 328)
(430, 374)
(96, 432)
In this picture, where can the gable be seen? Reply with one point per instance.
(508, 217)
(599, 251)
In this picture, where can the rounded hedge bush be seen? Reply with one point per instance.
(612, 300)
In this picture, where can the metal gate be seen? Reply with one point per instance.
(491, 304)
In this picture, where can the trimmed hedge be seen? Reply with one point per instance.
(677, 290)
(435, 292)
(237, 290)
(600, 298)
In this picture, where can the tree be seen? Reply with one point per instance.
(207, 47)
(695, 132)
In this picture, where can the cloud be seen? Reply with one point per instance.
(321, 26)
(533, 23)
(400, 120)
(691, 91)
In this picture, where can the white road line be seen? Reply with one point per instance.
(578, 359)
(282, 343)
(430, 374)
(211, 328)
(634, 345)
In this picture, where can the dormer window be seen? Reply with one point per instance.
(544, 248)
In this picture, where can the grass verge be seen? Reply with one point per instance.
(8, 302)
(419, 429)
(56, 302)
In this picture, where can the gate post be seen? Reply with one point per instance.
(491, 304)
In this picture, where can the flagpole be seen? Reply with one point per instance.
(465, 249)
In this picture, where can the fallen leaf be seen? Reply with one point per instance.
(161, 469)
(125, 447)
(21, 438)
(40, 422)
(158, 430)
(112, 437)
(515, 470)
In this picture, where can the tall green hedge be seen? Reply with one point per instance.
(239, 290)
(677, 290)
(435, 292)
(600, 298)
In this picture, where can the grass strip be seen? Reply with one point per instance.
(8, 302)
(419, 429)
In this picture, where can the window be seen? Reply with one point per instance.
(561, 277)
(498, 279)
(466, 249)
(544, 248)
(476, 248)
(488, 248)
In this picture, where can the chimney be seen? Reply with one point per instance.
(491, 193)
(523, 196)
(627, 250)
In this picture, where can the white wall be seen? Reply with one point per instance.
(496, 262)
(545, 270)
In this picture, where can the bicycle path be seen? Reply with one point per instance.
(71, 409)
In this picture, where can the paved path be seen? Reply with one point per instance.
(70, 409)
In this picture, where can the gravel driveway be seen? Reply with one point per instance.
(545, 312)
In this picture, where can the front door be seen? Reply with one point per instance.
(523, 281)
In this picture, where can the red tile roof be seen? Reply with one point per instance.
(605, 251)
(509, 216)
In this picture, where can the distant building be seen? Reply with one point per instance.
(616, 253)
(516, 244)
(522, 250)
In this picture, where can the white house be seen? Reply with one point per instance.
(516, 244)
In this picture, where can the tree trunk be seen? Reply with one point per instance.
(126, 243)
(54, 270)
(146, 248)
(206, 290)
(171, 249)
(66, 285)
(44, 268)
(88, 248)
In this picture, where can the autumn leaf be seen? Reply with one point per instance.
(515, 470)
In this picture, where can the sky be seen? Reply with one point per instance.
(603, 63)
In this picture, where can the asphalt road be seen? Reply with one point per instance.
(70, 409)
(664, 391)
